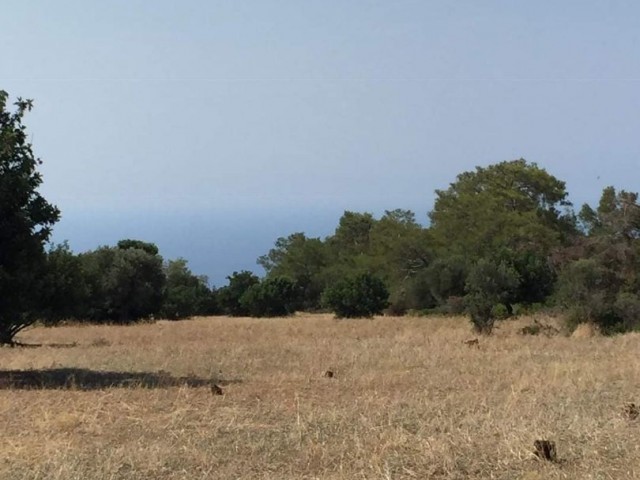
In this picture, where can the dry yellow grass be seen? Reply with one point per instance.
(408, 400)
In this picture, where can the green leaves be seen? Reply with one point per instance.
(489, 284)
(124, 284)
(229, 296)
(513, 205)
(359, 296)
(26, 219)
(273, 297)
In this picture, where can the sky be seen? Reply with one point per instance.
(213, 127)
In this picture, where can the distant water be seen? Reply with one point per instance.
(215, 243)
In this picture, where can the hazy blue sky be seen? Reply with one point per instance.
(212, 127)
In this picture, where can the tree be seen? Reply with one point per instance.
(301, 259)
(513, 205)
(65, 290)
(229, 296)
(617, 215)
(150, 248)
(446, 277)
(26, 219)
(124, 284)
(600, 275)
(273, 297)
(512, 213)
(589, 290)
(185, 294)
(613, 234)
(359, 296)
(399, 252)
(352, 237)
(489, 284)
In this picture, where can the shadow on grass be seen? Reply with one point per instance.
(40, 345)
(84, 379)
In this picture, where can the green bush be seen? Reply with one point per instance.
(489, 284)
(500, 311)
(360, 296)
(273, 297)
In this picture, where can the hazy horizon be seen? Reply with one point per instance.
(225, 242)
(213, 127)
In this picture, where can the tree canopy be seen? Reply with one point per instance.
(500, 237)
(26, 218)
(514, 205)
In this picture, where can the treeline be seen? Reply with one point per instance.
(121, 284)
(502, 240)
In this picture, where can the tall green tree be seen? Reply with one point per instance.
(512, 205)
(230, 295)
(26, 219)
(397, 245)
(302, 260)
(513, 214)
(185, 294)
(613, 235)
(400, 249)
(599, 280)
(353, 235)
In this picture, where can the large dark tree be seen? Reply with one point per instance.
(125, 284)
(26, 219)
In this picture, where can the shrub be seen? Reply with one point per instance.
(360, 296)
(500, 311)
(489, 284)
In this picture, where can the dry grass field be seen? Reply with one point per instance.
(408, 399)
